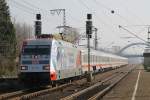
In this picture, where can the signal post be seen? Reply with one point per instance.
(89, 35)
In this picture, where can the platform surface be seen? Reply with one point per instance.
(136, 86)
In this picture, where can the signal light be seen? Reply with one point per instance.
(89, 28)
(38, 28)
(89, 16)
(90, 35)
(38, 23)
(38, 16)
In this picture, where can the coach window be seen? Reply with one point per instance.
(96, 58)
(106, 59)
(86, 58)
(103, 59)
(99, 60)
(83, 58)
(91, 58)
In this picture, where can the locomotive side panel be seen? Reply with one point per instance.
(66, 61)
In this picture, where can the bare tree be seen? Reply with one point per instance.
(23, 31)
(71, 34)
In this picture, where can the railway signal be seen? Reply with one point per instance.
(89, 26)
(38, 25)
(89, 35)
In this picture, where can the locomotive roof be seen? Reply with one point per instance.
(38, 41)
(48, 42)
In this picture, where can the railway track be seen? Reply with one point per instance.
(105, 79)
(98, 90)
(30, 93)
(9, 84)
(70, 90)
(10, 95)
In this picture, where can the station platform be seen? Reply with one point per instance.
(136, 86)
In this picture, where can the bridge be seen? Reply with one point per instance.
(120, 52)
(130, 55)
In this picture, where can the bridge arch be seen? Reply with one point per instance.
(132, 44)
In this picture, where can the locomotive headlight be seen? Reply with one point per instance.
(24, 67)
(46, 67)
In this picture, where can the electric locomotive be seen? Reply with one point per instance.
(44, 61)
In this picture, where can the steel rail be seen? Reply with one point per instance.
(21, 95)
(9, 95)
(91, 88)
(103, 92)
(39, 93)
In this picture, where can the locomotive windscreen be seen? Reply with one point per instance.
(36, 50)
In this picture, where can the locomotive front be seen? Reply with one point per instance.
(35, 62)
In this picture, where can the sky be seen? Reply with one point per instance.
(130, 14)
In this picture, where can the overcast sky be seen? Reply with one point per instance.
(127, 13)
